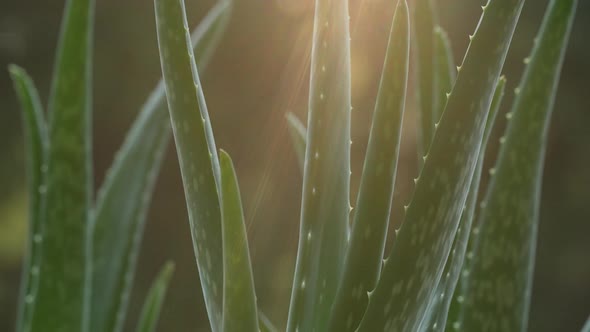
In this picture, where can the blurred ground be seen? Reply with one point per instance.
(259, 73)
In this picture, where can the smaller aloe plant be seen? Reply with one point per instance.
(459, 262)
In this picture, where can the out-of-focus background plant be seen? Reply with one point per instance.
(258, 73)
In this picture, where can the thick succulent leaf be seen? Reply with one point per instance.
(586, 327)
(298, 135)
(124, 198)
(153, 302)
(500, 276)
(448, 304)
(239, 299)
(195, 147)
(326, 180)
(265, 324)
(60, 303)
(415, 265)
(424, 21)
(36, 150)
(445, 72)
(371, 218)
(437, 314)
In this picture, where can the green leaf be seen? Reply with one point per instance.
(196, 151)
(61, 301)
(371, 219)
(124, 198)
(500, 277)
(414, 267)
(239, 298)
(153, 302)
(298, 135)
(326, 180)
(441, 302)
(265, 324)
(586, 327)
(36, 150)
(424, 21)
(445, 72)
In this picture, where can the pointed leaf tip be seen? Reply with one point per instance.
(35, 133)
(154, 300)
(239, 298)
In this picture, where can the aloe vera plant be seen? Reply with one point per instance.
(459, 262)
(338, 264)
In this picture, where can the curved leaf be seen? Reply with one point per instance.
(124, 198)
(439, 310)
(415, 265)
(371, 219)
(498, 289)
(36, 150)
(326, 178)
(196, 151)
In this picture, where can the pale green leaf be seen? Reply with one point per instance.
(439, 307)
(371, 218)
(498, 289)
(326, 180)
(416, 263)
(195, 147)
(124, 198)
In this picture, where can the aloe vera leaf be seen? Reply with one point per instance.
(371, 218)
(424, 21)
(500, 276)
(448, 315)
(119, 215)
(197, 156)
(239, 299)
(63, 270)
(438, 312)
(36, 147)
(414, 267)
(325, 204)
(265, 324)
(298, 135)
(154, 300)
(586, 327)
(445, 70)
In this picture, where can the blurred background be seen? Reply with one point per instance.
(258, 73)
